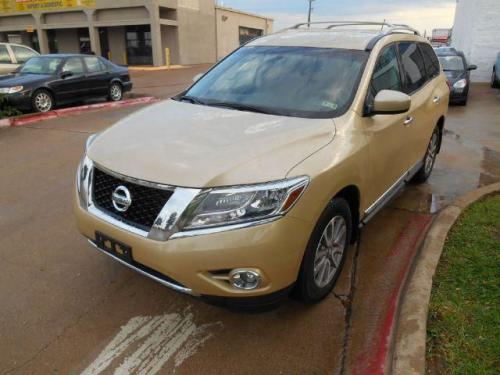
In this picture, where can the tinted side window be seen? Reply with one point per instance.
(74, 65)
(430, 60)
(94, 65)
(4, 55)
(386, 75)
(413, 67)
(23, 54)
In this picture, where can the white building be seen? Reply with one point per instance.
(477, 33)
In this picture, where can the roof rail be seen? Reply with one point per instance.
(391, 28)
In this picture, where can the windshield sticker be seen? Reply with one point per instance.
(330, 105)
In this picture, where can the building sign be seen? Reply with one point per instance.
(14, 6)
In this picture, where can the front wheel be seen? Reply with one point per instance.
(42, 101)
(115, 92)
(430, 158)
(325, 252)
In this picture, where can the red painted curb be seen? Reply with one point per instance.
(376, 360)
(37, 117)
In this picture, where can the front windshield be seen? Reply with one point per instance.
(41, 65)
(289, 81)
(452, 63)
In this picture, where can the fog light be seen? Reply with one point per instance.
(244, 279)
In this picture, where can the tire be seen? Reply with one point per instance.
(312, 286)
(463, 102)
(425, 171)
(42, 101)
(115, 92)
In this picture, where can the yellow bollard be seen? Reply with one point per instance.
(125, 62)
(109, 55)
(167, 57)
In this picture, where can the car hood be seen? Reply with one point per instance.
(22, 79)
(190, 145)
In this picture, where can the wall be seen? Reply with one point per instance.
(170, 38)
(228, 28)
(67, 41)
(196, 31)
(116, 36)
(477, 33)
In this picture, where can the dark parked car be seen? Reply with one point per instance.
(46, 81)
(495, 76)
(457, 71)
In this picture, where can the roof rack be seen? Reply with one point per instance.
(391, 28)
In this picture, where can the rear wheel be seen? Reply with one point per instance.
(42, 101)
(325, 253)
(430, 158)
(115, 92)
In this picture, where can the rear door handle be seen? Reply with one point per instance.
(408, 121)
(436, 99)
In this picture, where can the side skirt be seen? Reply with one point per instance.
(390, 193)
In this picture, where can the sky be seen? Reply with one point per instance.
(423, 15)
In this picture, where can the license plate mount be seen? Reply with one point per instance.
(114, 247)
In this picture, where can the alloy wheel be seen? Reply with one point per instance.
(43, 102)
(431, 153)
(330, 251)
(115, 92)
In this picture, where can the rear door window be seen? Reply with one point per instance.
(430, 60)
(413, 67)
(23, 54)
(4, 55)
(94, 65)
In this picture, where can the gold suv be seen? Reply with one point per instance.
(253, 182)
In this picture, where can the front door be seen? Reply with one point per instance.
(72, 84)
(386, 134)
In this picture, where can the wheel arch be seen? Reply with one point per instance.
(351, 194)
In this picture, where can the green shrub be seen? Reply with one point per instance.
(6, 110)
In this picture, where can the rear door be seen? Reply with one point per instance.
(420, 88)
(6, 62)
(74, 86)
(420, 70)
(98, 76)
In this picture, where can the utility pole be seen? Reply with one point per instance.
(310, 12)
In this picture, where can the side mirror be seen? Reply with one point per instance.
(66, 74)
(197, 77)
(390, 102)
(472, 67)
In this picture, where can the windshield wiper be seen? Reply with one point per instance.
(239, 107)
(191, 99)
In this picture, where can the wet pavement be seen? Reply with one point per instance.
(67, 309)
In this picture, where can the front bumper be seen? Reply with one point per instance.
(20, 100)
(189, 264)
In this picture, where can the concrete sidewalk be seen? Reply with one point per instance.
(65, 308)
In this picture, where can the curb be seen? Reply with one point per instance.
(37, 117)
(411, 330)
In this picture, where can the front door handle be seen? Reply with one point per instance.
(408, 121)
(436, 99)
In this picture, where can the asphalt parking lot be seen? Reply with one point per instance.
(67, 309)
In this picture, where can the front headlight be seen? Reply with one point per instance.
(83, 175)
(11, 90)
(460, 84)
(242, 204)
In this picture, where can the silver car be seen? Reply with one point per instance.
(14, 55)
